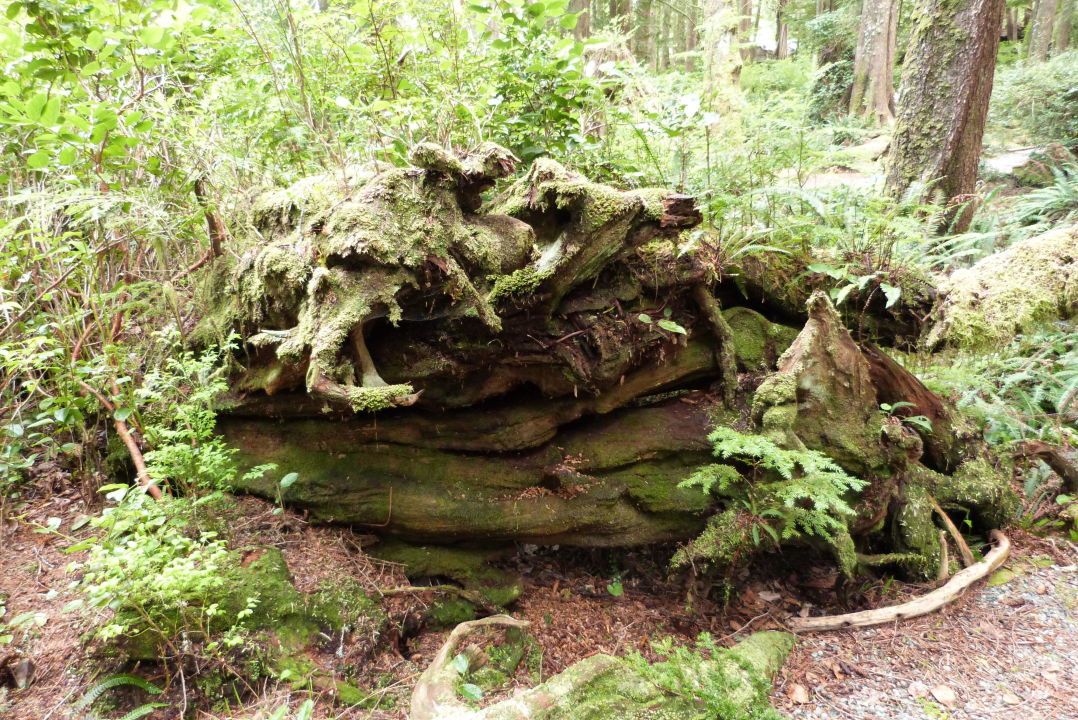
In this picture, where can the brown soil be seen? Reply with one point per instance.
(573, 601)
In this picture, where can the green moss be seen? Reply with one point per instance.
(983, 488)
(373, 399)
(1025, 287)
(468, 567)
(520, 282)
(756, 339)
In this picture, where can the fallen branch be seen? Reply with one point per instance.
(144, 479)
(963, 548)
(921, 606)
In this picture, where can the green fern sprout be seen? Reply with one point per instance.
(107, 684)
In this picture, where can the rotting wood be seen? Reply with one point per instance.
(921, 606)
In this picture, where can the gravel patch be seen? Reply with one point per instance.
(1008, 650)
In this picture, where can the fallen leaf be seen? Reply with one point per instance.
(918, 689)
(1011, 699)
(1042, 589)
(798, 694)
(1012, 601)
(769, 595)
(944, 696)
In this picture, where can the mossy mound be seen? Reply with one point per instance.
(1027, 286)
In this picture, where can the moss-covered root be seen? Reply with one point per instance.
(602, 687)
(727, 357)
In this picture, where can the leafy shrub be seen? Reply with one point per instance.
(1040, 99)
(775, 76)
(1028, 390)
(772, 496)
(829, 98)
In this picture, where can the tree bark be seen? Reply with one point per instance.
(1040, 30)
(620, 15)
(643, 47)
(1061, 36)
(946, 86)
(782, 32)
(873, 95)
(582, 31)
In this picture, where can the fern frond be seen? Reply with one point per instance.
(115, 681)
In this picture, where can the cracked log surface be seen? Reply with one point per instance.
(544, 366)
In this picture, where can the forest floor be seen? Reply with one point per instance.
(1008, 649)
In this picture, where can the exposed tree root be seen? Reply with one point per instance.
(963, 548)
(434, 696)
(921, 606)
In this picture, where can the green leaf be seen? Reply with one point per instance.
(289, 479)
(1063, 499)
(67, 155)
(38, 160)
(891, 292)
(122, 414)
(13, 10)
(471, 692)
(460, 663)
(152, 35)
(646, 319)
(95, 40)
(615, 588)
(671, 326)
(568, 22)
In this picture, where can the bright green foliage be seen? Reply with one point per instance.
(1039, 99)
(1027, 390)
(781, 495)
(717, 682)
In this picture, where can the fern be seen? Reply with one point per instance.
(142, 711)
(107, 684)
(783, 495)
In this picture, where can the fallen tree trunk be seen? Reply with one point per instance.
(546, 366)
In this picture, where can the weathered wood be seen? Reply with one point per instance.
(924, 605)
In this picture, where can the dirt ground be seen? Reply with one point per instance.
(1008, 649)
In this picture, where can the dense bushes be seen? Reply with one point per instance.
(1040, 99)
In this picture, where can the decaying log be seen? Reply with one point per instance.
(921, 606)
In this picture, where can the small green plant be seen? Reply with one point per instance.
(95, 692)
(709, 677)
(771, 495)
(916, 420)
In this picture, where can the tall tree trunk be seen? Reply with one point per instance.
(1061, 36)
(582, 31)
(946, 85)
(620, 11)
(722, 64)
(873, 93)
(691, 35)
(642, 36)
(744, 29)
(782, 32)
(1040, 31)
(1011, 18)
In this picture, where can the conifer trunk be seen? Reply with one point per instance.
(873, 93)
(946, 86)
(1040, 30)
(1061, 36)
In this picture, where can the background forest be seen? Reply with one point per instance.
(138, 135)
